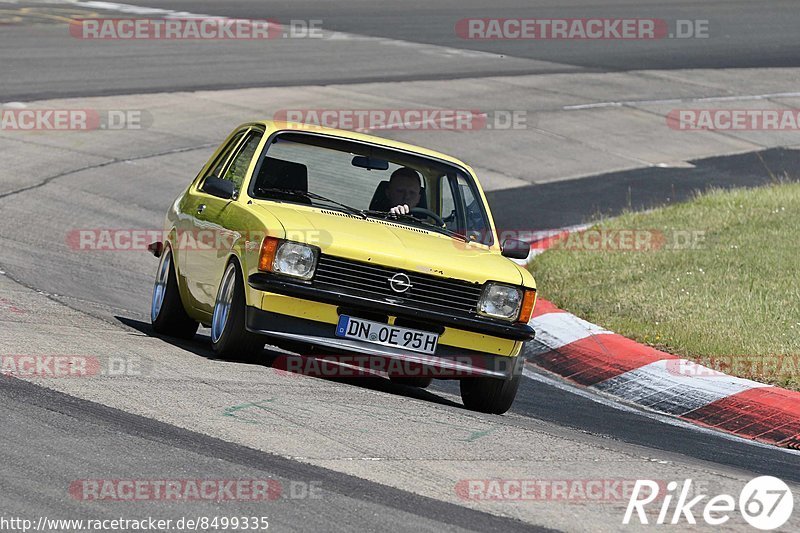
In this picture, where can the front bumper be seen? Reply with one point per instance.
(448, 363)
(495, 328)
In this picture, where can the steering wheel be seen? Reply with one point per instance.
(427, 213)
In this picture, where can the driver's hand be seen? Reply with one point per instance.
(400, 210)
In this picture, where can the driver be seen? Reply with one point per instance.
(403, 191)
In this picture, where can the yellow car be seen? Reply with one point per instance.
(324, 241)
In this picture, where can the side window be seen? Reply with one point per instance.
(241, 162)
(477, 229)
(461, 209)
(219, 164)
(448, 211)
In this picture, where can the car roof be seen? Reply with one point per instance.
(356, 136)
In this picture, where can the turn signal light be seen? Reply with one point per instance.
(528, 301)
(267, 256)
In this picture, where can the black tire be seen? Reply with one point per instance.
(491, 395)
(235, 342)
(170, 317)
(421, 382)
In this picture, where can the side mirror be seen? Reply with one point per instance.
(219, 187)
(515, 249)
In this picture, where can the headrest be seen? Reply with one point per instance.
(277, 173)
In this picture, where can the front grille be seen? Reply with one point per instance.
(372, 281)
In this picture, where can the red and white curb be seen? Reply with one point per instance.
(600, 360)
(543, 239)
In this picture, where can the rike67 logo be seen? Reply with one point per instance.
(765, 503)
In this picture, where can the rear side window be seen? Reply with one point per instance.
(241, 162)
(222, 159)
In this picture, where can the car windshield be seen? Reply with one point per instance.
(369, 180)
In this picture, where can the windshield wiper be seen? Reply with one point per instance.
(362, 213)
(314, 196)
(441, 229)
(411, 218)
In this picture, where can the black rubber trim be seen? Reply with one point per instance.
(268, 283)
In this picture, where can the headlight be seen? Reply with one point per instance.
(500, 301)
(288, 258)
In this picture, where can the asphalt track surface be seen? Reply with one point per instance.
(741, 34)
(82, 436)
(410, 41)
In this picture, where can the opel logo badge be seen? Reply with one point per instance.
(400, 283)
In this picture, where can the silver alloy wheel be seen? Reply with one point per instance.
(160, 288)
(222, 307)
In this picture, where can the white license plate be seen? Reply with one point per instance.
(378, 333)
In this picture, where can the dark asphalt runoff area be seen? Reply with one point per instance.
(572, 202)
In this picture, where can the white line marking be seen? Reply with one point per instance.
(136, 10)
(738, 98)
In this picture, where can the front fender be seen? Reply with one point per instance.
(250, 229)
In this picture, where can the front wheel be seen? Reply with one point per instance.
(167, 313)
(491, 395)
(229, 336)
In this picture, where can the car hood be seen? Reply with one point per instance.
(392, 244)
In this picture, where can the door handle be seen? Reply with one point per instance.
(201, 208)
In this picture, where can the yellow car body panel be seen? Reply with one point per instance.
(244, 221)
(327, 313)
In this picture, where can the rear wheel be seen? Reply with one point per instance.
(167, 313)
(229, 336)
(421, 382)
(491, 395)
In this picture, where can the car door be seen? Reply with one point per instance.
(211, 222)
(195, 203)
